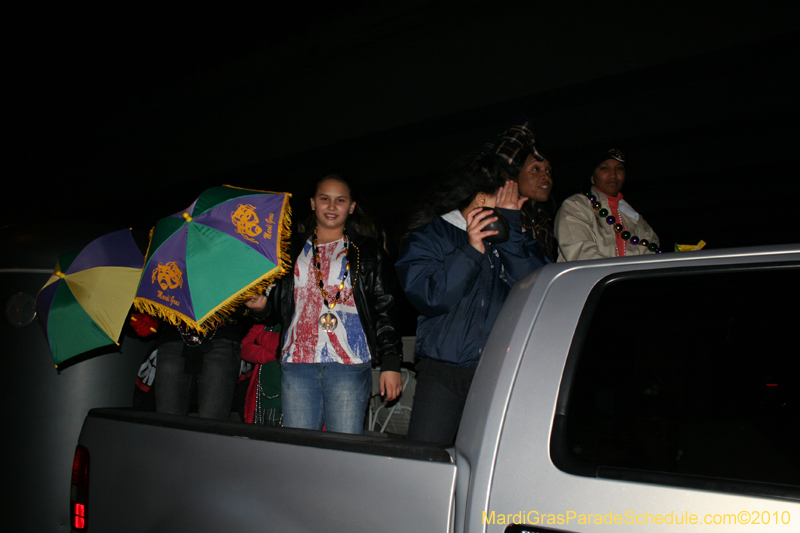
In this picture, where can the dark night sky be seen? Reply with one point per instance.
(122, 116)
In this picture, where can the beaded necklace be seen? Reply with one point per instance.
(611, 220)
(260, 416)
(193, 339)
(328, 320)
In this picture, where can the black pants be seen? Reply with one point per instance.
(441, 393)
(216, 382)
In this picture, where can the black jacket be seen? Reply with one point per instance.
(373, 294)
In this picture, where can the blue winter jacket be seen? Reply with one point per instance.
(457, 290)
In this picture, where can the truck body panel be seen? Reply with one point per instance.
(510, 463)
(525, 356)
(161, 473)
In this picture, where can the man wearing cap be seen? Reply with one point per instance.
(535, 179)
(599, 223)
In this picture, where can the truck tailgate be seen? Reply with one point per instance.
(153, 472)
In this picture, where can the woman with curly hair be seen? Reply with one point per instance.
(458, 280)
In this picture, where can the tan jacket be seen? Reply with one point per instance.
(582, 234)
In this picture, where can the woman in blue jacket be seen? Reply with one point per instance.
(458, 282)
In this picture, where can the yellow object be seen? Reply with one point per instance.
(690, 247)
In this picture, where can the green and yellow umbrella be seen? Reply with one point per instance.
(84, 304)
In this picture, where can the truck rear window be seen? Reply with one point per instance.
(694, 374)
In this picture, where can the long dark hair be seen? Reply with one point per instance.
(466, 177)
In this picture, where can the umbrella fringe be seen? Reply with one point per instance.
(285, 236)
(162, 313)
(222, 313)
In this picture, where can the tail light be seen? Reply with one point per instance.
(79, 491)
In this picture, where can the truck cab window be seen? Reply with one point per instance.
(689, 374)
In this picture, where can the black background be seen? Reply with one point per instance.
(121, 115)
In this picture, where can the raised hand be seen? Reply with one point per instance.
(508, 197)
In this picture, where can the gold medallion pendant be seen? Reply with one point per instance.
(328, 321)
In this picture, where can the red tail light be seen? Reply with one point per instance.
(79, 491)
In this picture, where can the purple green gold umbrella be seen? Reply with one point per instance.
(84, 304)
(204, 261)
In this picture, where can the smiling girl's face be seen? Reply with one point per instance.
(332, 204)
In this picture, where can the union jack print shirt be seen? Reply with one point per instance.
(306, 340)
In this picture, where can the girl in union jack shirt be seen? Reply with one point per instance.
(336, 311)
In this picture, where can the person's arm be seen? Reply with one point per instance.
(520, 254)
(266, 306)
(260, 345)
(381, 296)
(646, 232)
(391, 384)
(575, 233)
(251, 351)
(435, 274)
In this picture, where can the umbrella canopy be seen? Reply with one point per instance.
(84, 304)
(204, 261)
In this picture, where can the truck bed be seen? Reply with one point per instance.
(399, 485)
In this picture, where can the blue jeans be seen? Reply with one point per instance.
(216, 383)
(329, 394)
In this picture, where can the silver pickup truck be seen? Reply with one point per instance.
(635, 394)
